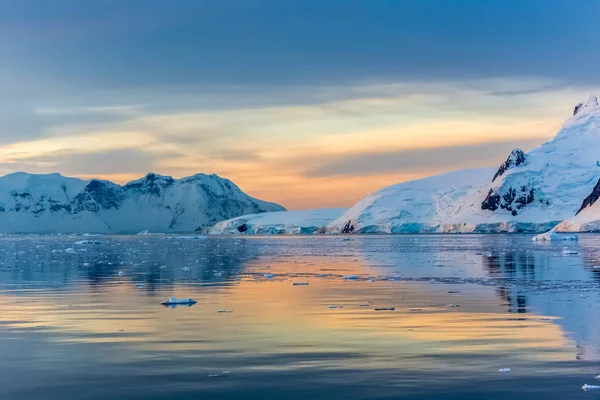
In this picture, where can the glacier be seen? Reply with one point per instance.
(52, 203)
(554, 184)
(278, 223)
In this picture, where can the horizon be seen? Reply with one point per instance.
(290, 101)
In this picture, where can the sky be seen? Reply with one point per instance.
(308, 103)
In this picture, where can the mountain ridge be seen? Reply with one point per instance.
(53, 203)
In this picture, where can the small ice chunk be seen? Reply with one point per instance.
(454, 305)
(139, 285)
(221, 375)
(597, 377)
(568, 252)
(364, 305)
(453, 291)
(300, 283)
(174, 300)
(334, 306)
(416, 310)
(70, 250)
(596, 267)
(385, 309)
(185, 268)
(269, 276)
(192, 237)
(350, 277)
(590, 387)
(224, 311)
(121, 273)
(504, 370)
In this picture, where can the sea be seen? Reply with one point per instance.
(299, 317)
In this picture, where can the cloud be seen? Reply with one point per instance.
(98, 164)
(432, 159)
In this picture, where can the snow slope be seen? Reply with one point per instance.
(283, 222)
(530, 192)
(56, 204)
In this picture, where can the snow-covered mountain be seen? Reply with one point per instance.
(57, 204)
(529, 192)
(278, 223)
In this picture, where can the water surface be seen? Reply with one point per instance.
(84, 320)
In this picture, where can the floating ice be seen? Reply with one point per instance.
(568, 252)
(453, 291)
(504, 370)
(300, 283)
(121, 273)
(192, 237)
(269, 276)
(82, 242)
(224, 311)
(350, 277)
(590, 387)
(596, 267)
(553, 236)
(334, 306)
(385, 309)
(70, 250)
(174, 300)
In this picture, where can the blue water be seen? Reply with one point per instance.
(84, 321)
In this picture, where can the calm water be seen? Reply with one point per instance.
(84, 321)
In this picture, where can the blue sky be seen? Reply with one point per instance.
(287, 96)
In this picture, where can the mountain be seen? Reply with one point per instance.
(529, 192)
(278, 223)
(57, 204)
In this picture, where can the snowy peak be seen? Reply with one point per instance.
(516, 158)
(590, 102)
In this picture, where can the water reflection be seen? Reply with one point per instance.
(464, 306)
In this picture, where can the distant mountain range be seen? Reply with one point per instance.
(57, 204)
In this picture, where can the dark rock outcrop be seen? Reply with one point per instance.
(516, 158)
(98, 195)
(511, 200)
(242, 228)
(591, 199)
(348, 228)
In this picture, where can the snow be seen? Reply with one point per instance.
(504, 370)
(552, 235)
(174, 300)
(283, 222)
(56, 204)
(534, 195)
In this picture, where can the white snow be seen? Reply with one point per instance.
(504, 370)
(57, 204)
(548, 187)
(174, 300)
(590, 387)
(283, 222)
(552, 235)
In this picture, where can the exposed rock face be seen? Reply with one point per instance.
(516, 158)
(591, 199)
(348, 228)
(98, 195)
(511, 200)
